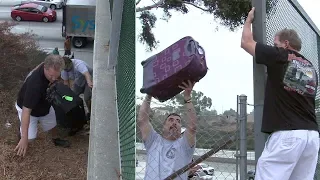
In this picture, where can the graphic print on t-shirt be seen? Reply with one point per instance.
(171, 153)
(300, 76)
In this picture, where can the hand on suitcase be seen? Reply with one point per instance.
(187, 87)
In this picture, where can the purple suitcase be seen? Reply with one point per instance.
(164, 72)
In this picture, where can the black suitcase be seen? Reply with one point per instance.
(69, 107)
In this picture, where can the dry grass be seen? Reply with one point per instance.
(43, 159)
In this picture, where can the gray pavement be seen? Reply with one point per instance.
(8, 3)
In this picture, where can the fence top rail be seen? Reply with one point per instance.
(305, 16)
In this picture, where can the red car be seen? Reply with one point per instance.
(33, 12)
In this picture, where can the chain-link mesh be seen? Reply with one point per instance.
(217, 140)
(285, 15)
(125, 81)
(317, 174)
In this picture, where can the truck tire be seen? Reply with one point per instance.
(53, 6)
(79, 42)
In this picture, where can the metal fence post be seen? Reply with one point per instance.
(243, 136)
(237, 140)
(259, 76)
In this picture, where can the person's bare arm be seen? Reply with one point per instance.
(247, 41)
(143, 118)
(25, 121)
(66, 82)
(23, 142)
(71, 83)
(88, 78)
(190, 112)
(191, 125)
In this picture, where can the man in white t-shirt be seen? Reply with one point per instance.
(170, 151)
(78, 76)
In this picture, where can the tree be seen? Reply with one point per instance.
(19, 53)
(209, 113)
(231, 13)
(230, 112)
(199, 100)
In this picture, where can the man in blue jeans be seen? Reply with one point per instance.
(291, 151)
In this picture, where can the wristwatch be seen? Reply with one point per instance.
(187, 101)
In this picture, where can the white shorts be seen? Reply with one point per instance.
(289, 155)
(47, 122)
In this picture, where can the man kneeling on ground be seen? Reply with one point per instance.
(33, 107)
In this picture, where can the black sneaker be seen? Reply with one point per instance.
(60, 142)
(74, 131)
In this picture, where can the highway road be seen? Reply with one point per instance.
(229, 154)
(48, 34)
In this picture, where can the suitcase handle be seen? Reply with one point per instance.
(197, 48)
(191, 48)
(203, 52)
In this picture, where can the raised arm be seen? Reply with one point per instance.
(143, 118)
(191, 113)
(247, 42)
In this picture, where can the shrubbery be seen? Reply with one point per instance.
(19, 53)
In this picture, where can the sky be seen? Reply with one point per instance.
(230, 67)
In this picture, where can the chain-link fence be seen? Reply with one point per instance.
(289, 14)
(217, 151)
(125, 82)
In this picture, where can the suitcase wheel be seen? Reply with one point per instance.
(142, 90)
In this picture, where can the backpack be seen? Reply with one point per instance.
(69, 107)
(62, 96)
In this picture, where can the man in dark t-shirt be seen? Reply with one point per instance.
(291, 151)
(32, 105)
